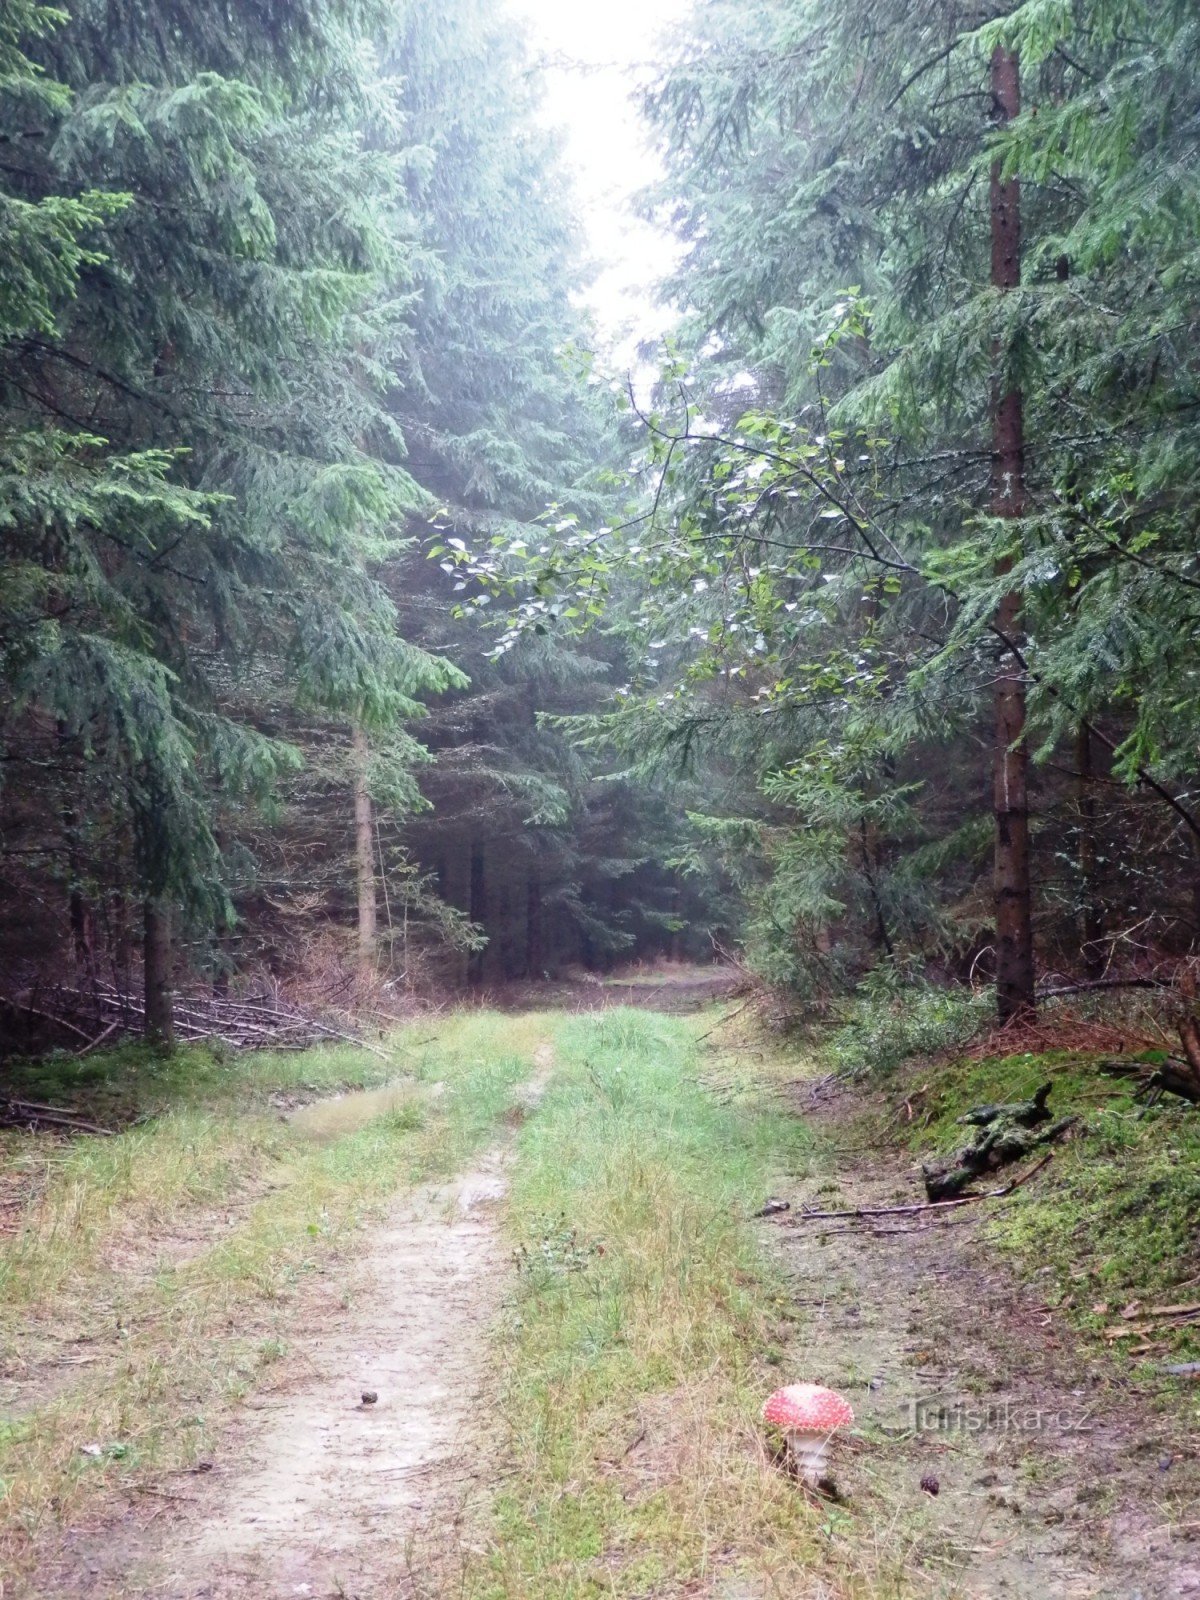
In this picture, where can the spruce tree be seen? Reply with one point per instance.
(502, 423)
(220, 344)
(830, 537)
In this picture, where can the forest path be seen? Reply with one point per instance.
(638, 1341)
(1056, 1478)
(325, 1492)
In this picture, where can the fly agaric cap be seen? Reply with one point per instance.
(808, 1408)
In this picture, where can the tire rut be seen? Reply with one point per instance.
(327, 1493)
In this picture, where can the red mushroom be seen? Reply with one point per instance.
(809, 1417)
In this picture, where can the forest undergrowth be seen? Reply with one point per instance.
(1112, 1226)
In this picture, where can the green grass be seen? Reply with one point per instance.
(646, 1330)
(1116, 1217)
(170, 1259)
(135, 1081)
(646, 1320)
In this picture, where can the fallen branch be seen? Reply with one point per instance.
(732, 1017)
(1142, 1322)
(1142, 1330)
(873, 1232)
(924, 1205)
(57, 1116)
(1169, 1076)
(1104, 983)
(47, 1016)
(1005, 1136)
(98, 1040)
(1025, 1113)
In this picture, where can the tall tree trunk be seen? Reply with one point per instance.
(222, 952)
(121, 943)
(1014, 901)
(83, 931)
(534, 957)
(159, 995)
(1091, 911)
(478, 911)
(82, 917)
(79, 909)
(364, 859)
(881, 938)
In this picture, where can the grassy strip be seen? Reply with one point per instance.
(135, 1081)
(1116, 1218)
(646, 1332)
(120, 1261)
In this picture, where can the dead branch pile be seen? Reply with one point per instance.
(1005, 1134)
(103, 1014)
(33, 1114)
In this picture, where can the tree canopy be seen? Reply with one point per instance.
(871, 640)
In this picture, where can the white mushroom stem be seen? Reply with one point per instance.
(809, 1451)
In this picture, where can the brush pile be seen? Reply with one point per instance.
(84, 1019)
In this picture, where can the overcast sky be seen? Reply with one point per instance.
(596, 56)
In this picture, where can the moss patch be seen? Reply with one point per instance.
(1115, 1219)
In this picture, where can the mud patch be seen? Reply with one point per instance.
(333, 1118)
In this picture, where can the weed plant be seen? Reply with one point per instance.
(888, 1023)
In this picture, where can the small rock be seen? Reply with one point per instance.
(774, 1207)
(369, 1397)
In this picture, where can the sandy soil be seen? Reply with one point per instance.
(1059, 1478)
(323, 1490)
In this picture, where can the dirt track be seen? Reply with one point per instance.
(319, 1491)
(1058, 1478)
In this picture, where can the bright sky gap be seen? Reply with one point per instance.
(594, 61)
